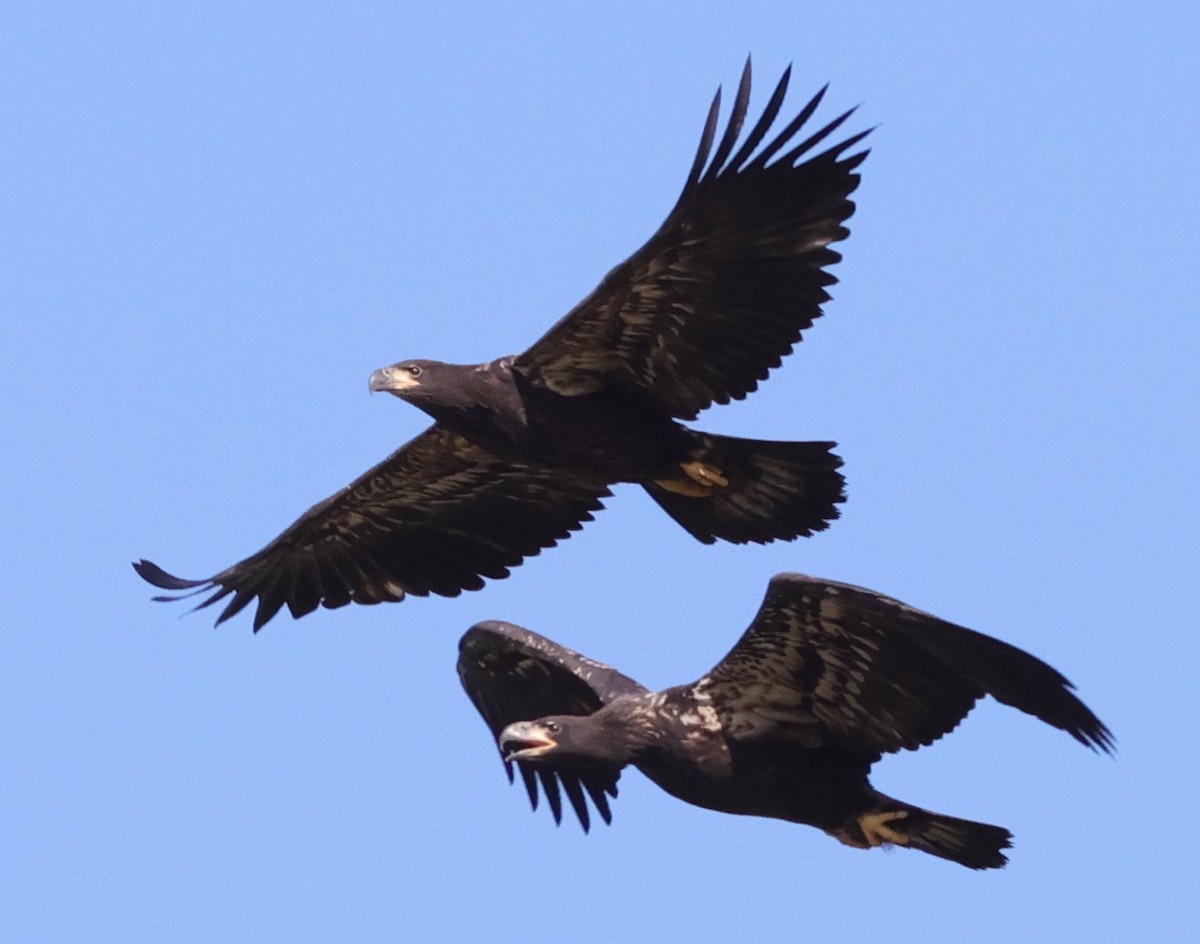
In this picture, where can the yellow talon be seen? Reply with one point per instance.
(877, 832)
(699, 482)
(706, 475)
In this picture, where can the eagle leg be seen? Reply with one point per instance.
(875, 828)
(699, 481)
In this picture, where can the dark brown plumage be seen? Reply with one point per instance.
(524, 448)
(827, 679)
(437, 516)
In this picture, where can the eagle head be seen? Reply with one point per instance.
(565, 741)
(402, 379)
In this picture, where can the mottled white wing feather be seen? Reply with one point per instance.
(819, 668)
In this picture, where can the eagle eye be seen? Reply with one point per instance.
(414, 370)
(552, 727)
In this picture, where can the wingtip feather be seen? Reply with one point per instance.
(155, 575)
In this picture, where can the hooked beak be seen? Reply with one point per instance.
(392, 380)
(525, 740)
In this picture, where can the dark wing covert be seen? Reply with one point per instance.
(512, 674)
(437, 516)
(827, 663)
(716, 298)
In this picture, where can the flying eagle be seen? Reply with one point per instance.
(524, 448)
(827, 679)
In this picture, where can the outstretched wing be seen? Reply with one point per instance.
(830, 664)
(723, 290)
(437, 516)
(512, 674)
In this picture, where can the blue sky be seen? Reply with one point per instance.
(217, 219)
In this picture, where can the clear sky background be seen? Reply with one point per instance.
(218, 218)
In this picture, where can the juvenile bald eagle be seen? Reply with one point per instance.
(827, 679)
(524, 448)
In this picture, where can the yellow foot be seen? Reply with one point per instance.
(875, 828)
(706, 475)
(698, 482)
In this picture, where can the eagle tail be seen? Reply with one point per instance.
(751, 490)
(975, 845)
